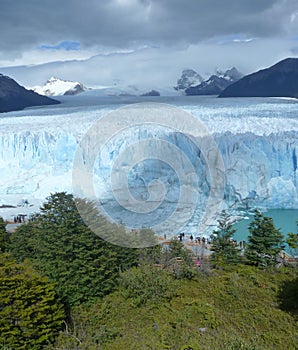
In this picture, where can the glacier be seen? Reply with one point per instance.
(257, 138)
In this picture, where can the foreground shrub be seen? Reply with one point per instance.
(147, 284)
(30, 315)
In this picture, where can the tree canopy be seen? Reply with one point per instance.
(61, 246)
(292, 241)
(3, 236)
(126, 298)
(224, 249)
(30, 312)
(264, 242)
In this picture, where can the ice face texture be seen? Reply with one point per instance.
(258, 143)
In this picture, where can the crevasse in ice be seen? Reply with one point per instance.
(259, 152)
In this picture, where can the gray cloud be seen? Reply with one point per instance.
(156, 67)
(128, 23)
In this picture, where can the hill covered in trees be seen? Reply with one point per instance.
(63, 287)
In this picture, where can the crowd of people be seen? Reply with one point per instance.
(200, 240)
(19, 219)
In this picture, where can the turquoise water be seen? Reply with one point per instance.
(285, 219)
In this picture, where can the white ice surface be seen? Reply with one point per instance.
(258, 139)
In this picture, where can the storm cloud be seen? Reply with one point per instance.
(142, 41)
(129, 23)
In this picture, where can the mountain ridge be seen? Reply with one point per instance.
(15, 97)
(191, 83)
(278, 80)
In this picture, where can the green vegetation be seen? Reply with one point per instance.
(225, 251)
(62, 247)
(150, 298)
(30, 313)
(3, 236)
(264, 242)
(236, 309)
(292, 241)
(178, 259)
(147, 284)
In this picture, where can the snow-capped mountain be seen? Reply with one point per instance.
(14, 97)
(58, 87)
(189, 78)
(215, 84)
(231, 74)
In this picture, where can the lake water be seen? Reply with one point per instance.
(285, 219)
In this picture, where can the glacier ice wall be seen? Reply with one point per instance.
(259, 169)
(36, 163)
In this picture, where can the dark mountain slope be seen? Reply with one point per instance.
(279, 80)
(14, 97)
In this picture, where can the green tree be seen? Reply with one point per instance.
(179, 259)
(3, 236)
(264, 242)
(61, 246)
(30, 313)
(151, 255)
(292, 241)
(225, 251)
(177, 249)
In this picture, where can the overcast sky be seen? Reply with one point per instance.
(206, 34)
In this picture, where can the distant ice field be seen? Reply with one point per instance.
(236, 115)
